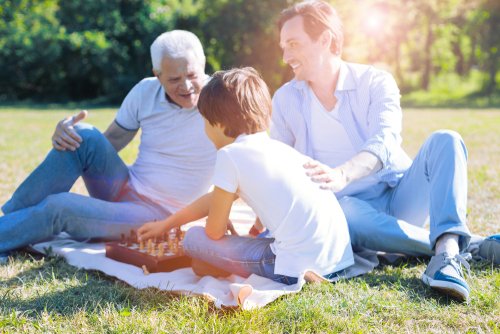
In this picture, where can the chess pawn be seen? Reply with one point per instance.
(161, 250)
(141, 245)
(171, 234)
(150, 246)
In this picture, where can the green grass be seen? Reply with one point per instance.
(47, 295)
(452, 90)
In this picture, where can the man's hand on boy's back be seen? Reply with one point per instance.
(329, 178)
(65, 136)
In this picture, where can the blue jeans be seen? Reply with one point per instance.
(42, 206)
(434, 188)
(238, 255)
(242, 256)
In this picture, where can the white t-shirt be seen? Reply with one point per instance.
(176, 159)
(331, 144)
(307, 222)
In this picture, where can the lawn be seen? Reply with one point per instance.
(47, 295)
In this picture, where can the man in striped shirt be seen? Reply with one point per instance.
(347, 118)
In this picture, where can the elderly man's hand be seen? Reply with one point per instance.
(329, 178)
(65, 136)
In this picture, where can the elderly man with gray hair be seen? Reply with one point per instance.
(173, 167)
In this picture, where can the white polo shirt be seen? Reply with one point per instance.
(307, 222)
(176, 159)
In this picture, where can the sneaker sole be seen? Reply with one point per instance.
(451, 289)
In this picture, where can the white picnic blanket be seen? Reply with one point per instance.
(233, 291)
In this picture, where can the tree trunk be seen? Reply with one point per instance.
(492, 73)
(457, 50)
(426, 75)
(492, 64)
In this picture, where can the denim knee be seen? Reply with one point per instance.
(90, 135)
(193, 238)
(448, 140)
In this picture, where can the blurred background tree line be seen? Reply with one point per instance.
(96, 50)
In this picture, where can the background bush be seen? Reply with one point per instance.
(55, 50)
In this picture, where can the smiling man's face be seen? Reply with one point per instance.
(300, 51)
(182, 78)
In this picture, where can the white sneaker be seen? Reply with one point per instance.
(444, 274)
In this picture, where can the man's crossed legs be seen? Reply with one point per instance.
(42, 206)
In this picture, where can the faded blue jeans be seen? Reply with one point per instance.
(42, 206)
(434, 188)
(242, 256)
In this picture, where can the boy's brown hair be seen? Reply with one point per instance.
(318, 16)
(238, 100)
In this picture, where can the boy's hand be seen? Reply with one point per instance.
(231, 228)
(151, 230)
(329, 178)
(256, 229)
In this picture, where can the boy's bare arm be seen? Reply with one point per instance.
(194, 211)
(218, 215)
(256, 228)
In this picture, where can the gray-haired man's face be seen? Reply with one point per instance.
(182, 78)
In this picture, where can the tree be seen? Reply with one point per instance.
(489, 40)
(58, 50)
(244, 33)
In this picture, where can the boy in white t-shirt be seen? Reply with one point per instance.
(308, 228)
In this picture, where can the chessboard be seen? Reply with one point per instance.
(161, 255)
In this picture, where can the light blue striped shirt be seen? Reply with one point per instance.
(369, 110)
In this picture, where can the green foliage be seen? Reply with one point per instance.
(450, 90)
(244, 33)
(57, 50)
(76, 49)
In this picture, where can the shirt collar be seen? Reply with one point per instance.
(164, 100)
(244, 136)
(345, 81)
(163, 96)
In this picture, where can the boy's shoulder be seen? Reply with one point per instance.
(260, 144)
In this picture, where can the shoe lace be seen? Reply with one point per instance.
(460, 259)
